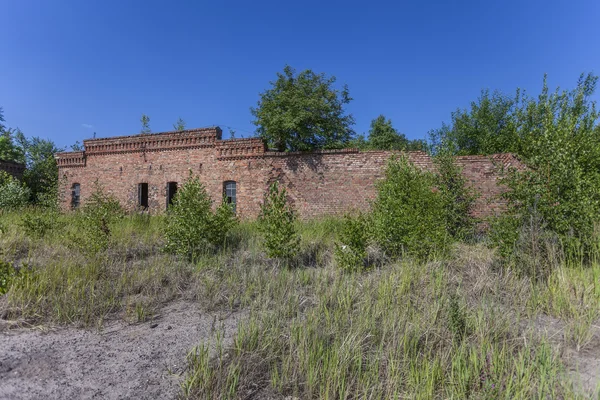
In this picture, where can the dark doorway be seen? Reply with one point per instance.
(143, 195)
(171, 190)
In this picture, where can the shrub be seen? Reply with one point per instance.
(191, 225)
(94, 222)
(277, 222)
(7, 274)
(351, 250)
(408, 213)
(457, 196)
(38, 224)
(13, 194)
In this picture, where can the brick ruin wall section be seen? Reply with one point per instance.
(319, 183)
(13, 168)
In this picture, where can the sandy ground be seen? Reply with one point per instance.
(123, 361)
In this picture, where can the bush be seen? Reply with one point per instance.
(408, 213)
(457, 196)
(8, 274)
(38, 224)
(351, 250)
(191, 225)
(13, 194)
(94, 222)
(277, 222)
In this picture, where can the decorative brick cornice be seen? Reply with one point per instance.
(174, 140)
(70, 159)
(240, 148)
(13, 168)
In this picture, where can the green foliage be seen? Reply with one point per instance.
(9, 148)
(8, 273)
(145, 121)
(192, 228)
(277, 222)
(351, 250)
(41, 175)
(562, 154)
(94, 222)
(38, 224)
(408, 214)
(490, 126)
(457, 196)
(383, 136)
(13, 194)
(457, 321)
(556, 135)
(179, 125)
(303, 112)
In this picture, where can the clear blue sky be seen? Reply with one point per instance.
(69, 68)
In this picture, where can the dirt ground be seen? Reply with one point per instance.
(123, 361)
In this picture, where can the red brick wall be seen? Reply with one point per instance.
(319, 183)
(14, 169)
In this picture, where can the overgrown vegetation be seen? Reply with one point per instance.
(192, 226)
(277, 223)
(408, 211)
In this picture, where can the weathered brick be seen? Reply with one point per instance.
(325, 182)
(13, 168)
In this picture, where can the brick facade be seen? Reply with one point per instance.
(13, 168)
(319, 183)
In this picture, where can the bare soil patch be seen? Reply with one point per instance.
(122, 361)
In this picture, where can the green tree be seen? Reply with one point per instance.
(277, 222)
(383, 136)
(41, 174)
(13, 194)
(562, 152)
(192, 227)
(303, 112)
(179, 125)
(458, 197)
(145, 120)
(407, 212)
(489, 126)
(9, 149)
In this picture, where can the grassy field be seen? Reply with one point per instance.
(461, 326)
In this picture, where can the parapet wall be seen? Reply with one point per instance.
(13, 168)
(326, 182)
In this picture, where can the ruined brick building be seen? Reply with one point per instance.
(13, 168)
(144, 171)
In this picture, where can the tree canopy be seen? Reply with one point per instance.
(303, 111)
(383, 136)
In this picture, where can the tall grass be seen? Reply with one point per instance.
(454, 327)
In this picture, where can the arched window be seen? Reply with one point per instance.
(75, 195)
(229, 190)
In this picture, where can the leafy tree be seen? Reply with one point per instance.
(561, 148)
(145, 120)
(277, 222)
(489, 126)
(179, 125)
(407, 212)
(13, 194)
(9, 149)
(303, 112)
(41, 174)
(383, 136)
(458, 197)
(192, 227)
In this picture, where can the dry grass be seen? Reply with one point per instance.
(451, 328)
